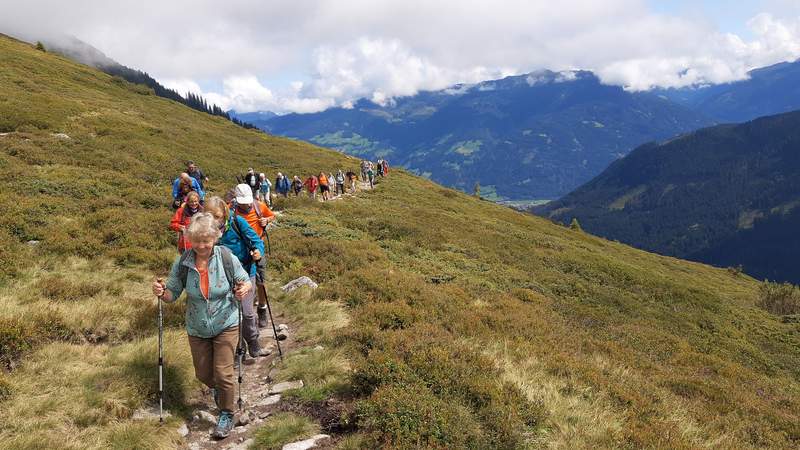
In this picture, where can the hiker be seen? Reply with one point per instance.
(181, 188)
(340, 182)
(251, 179)
(379, 166)
(324, 187)
(263, 192)
(248, 248)
(351, 179)
(282, 185)
(371, 176)
(211, 311)
(364, 166)
(180, 221)
(385, 168)
(297, 185)
(311, 186)
(258, 216)
(197, 174)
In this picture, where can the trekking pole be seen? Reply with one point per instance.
(239, 354)
(261, 286)
(160, 356)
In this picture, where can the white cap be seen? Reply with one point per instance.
(244, 196)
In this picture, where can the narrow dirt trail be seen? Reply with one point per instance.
(260, 393)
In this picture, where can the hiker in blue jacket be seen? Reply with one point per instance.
(248, 247)
(178, 193)
(282, 185)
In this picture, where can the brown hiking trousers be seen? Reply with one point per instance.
(213, 364)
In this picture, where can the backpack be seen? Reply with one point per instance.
(257, 207)
(227, 265)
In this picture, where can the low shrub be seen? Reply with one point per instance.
(411, 416)
(20, 335)
(782, 299)
(282, 429)
(5, 388)
(60, 289)
(15, 338)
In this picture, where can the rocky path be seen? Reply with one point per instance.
(262, 396)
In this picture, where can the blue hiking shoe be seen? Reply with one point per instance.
(224, 425)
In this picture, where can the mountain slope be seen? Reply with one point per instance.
(534, 136)
(725, 195)
(471, 325)
(81, 52)
(767, 91)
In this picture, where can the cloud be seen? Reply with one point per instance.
(715, 58)
(305, 56)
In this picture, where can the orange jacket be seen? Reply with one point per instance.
(323, 180)
(180, 219)
(252, 216)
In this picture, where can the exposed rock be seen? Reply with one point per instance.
(297, 283)
(285, 386)
(32, 242)
(308, 443)
(183, 430)
(205, 416)
(194, 446)
(244, 419)
(264, 414)
(283, 327)
(319, 348)
(148, 413)
(242, 445)
(269, 400)
(61, 136)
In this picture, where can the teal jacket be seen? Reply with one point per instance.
(206, 318)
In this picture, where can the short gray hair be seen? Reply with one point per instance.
(203, 226)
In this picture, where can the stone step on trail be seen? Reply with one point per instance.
(285, 386)
(307, 443)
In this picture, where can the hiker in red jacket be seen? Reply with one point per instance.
(311, 184)
(180, 221)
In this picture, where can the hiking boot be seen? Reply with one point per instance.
(257, 351)
(224, 425)
(262, 316)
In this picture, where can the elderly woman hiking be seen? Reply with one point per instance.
(245, 243)
(212, 310)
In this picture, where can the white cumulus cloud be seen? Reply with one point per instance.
(286, 55)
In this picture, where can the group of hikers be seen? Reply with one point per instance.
(223, 244)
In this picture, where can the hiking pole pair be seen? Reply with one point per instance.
(160, 355)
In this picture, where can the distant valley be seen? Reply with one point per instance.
(531, 137)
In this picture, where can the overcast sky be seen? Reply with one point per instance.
(307, 55)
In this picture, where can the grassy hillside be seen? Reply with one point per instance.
(470, 324)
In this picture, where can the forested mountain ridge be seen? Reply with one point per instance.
(535, 136)
(766, 91)
(726, 195)
(84, 53)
